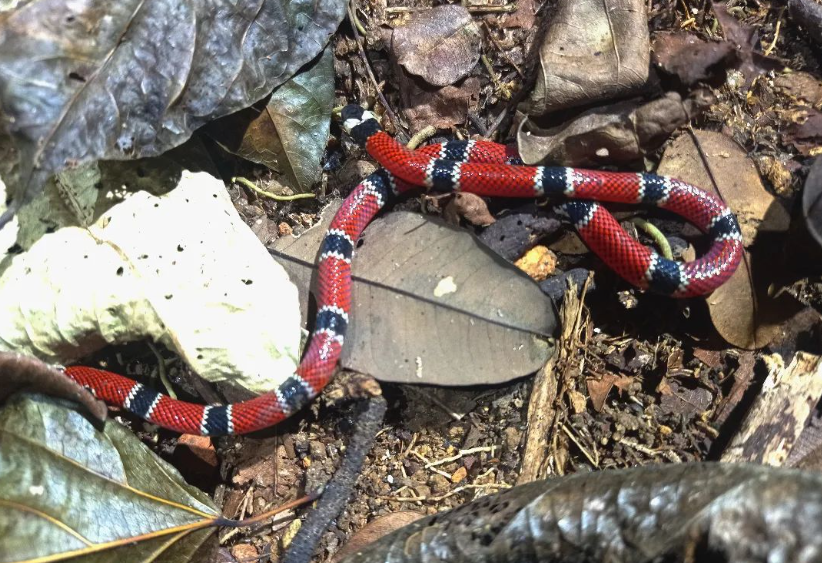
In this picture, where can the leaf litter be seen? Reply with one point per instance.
(645, 380)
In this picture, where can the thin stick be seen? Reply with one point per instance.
(252, 186)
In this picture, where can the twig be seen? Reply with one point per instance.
(771, 47)
(594, 459)
(252, 186)
(336, 492)
(388, 111)
(421, 136)
(652, 231)
(504, 9)
(461, 454)
(459, 489)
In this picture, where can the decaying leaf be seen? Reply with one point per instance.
(376, 529)
(289, 132)
(731, 513)
(593, 50)
(806, 133)
(692, 59)
(621, 132)
(118, 80)
(442, 108)
(431, 305)
(156, 266)
(469, 206)
(742, 310)
(440, 45)
(68, 490)
(745, 39)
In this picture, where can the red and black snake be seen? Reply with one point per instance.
(482, 168)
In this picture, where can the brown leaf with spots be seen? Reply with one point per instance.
(441, 45)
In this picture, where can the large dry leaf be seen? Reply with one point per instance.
(742, 310)
(683, 512)
(180, 268)
(82, 81)
(289, 133)
(593, 50)
(432, 305)
(67, 487)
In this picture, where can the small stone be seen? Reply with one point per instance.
(538, 263)
(458, 475)
(439, 484)
(284, 229)
(244, 552)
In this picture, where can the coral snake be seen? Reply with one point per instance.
(483, 168)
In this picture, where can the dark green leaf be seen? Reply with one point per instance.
(290, 133)
(119, 80)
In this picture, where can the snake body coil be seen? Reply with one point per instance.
(472, 166)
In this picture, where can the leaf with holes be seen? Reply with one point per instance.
(68, 490)
(431, 304)
(82, 81)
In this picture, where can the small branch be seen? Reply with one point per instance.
(252, 186)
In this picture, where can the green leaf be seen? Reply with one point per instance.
(290, 133)
(69, 490)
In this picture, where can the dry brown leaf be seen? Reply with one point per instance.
(442, 108)
(376, 529)
(469, 206)
(441, 45)
(621, 132)
(690, 58)
(741, 310)
(593, 50)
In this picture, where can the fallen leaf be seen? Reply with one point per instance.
(374, 530)
(621, 132)
(488, 327)
(69, 490)
(591, 51)
(289, 133)
(470, 207)
(123, 80)
(742, 310)
(148, 269)
(442, 108)
(806, 133)
(598, 389)
(801, 87)
(441, 45)
(692, 59)
(745, 39)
